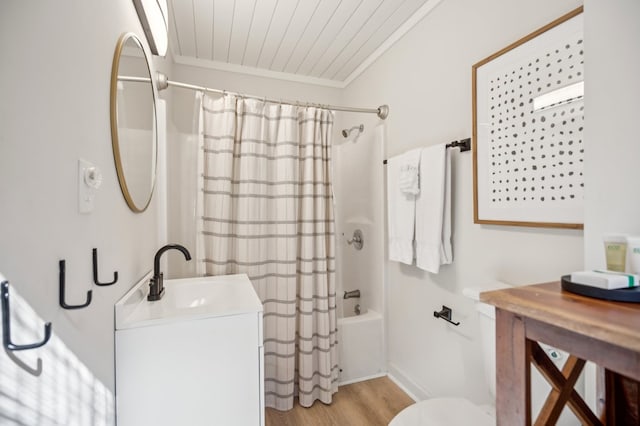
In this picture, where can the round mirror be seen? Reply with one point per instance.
(133, 122)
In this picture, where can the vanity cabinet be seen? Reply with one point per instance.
(202, 365)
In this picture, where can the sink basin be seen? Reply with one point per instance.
(186, 299)
(193, 293)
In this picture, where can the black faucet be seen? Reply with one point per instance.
(156, 287)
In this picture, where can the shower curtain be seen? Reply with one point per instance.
(267, 211)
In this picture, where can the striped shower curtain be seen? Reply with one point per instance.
(268, 212)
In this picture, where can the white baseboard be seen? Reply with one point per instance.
(362, 379)
(411, 388)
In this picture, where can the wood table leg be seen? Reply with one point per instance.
(562, 391)
(622, 404)
(513, 372)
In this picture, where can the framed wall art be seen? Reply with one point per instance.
(528, 120)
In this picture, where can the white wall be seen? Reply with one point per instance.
(612, 66)
(612, 108)
(182, 143)
(54, 109)
(426, 80)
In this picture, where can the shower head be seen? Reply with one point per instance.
(347, 132)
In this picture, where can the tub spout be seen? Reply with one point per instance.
(351, 294)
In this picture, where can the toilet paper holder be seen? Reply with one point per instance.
(445, 314)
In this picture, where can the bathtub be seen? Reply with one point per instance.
(361, 347)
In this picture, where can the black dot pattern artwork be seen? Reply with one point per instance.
(536, 158)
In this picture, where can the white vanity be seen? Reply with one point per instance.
(195, 357)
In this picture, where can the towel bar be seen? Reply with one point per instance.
(463, 144)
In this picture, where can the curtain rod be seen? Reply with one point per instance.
(163, 82)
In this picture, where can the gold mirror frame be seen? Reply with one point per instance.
(115, 140)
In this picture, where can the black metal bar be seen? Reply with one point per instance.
(445, 314)
(95, 271)
(6, 326)
(463, 144)
(62, 285)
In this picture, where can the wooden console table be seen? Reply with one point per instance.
(607, 333)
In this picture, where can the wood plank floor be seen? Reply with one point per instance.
(369, 403)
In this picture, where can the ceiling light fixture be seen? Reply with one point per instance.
(153, 17)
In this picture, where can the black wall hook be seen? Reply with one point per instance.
(62, 298)
(445, 314)
(6, 327)
(95, 271)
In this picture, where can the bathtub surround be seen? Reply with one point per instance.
(359, 185)
(268, 212)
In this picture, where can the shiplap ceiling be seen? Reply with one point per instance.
(319, 41)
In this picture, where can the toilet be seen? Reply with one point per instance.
(460, 411)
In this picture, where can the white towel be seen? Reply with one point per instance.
(410, 172)
(433, 210)
(400, 215)
(446, 252)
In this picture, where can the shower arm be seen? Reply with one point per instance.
(347, 132)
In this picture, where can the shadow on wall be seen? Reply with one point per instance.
(64, 393)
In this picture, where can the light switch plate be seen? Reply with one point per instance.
(89, 180)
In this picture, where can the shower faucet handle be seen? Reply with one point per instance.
(357, 240)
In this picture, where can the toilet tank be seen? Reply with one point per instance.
(487, 327)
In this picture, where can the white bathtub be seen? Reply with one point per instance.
(361, 347)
